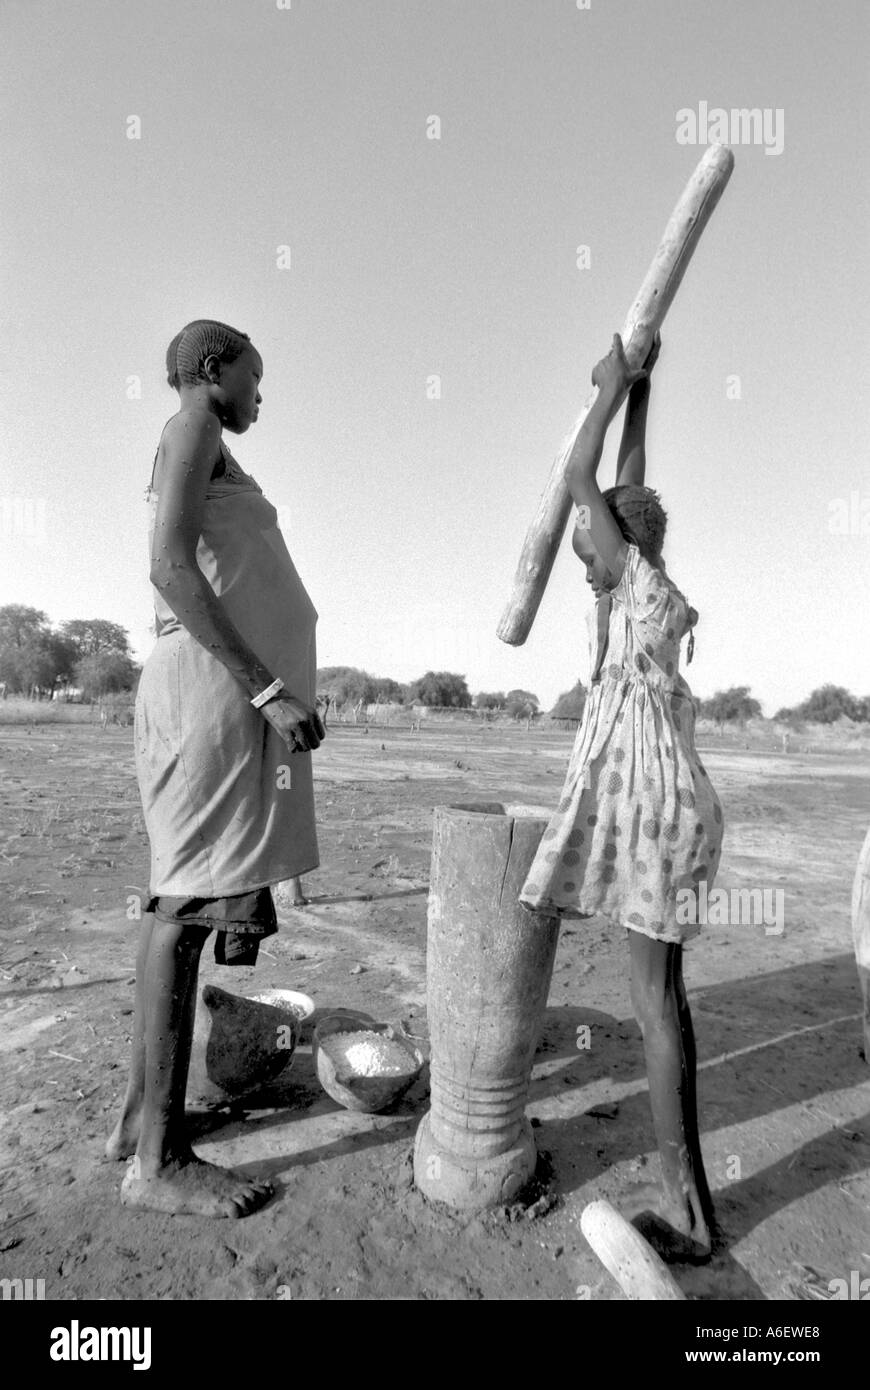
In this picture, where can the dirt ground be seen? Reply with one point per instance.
(784, 1088)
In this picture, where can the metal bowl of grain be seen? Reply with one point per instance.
(364, 1066)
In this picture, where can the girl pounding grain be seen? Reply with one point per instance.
(638, 820)
(228, 689)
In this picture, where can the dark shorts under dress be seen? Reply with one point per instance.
(240, 922)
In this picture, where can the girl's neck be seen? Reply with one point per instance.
(199, 397)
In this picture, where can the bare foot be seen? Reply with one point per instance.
(675, 1227)
(124, 1138)
(191, 1187)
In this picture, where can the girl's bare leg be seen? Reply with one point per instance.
(165, 1174)
(690, 1054)
(125, 1136)
(661, 1009)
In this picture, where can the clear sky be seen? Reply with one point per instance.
(306, 127)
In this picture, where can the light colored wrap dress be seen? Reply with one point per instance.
(638, 818)
(219, 815)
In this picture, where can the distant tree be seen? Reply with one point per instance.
(32, 657)
(63, 658)
(732, 706)
(494, 699)
(104, 673)
(525, 696)
(570, 704)
(10, 670)
(440, 688)
(20, 625)
(828, 704)
(346, 684)
(387, 691)
(89, 636)
(521, 704)
(27, 669)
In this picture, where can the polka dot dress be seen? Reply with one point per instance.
(638, 819)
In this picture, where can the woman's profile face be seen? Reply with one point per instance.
(240, 390)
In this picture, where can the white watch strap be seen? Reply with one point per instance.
(264, 695)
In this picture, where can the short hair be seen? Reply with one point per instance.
(639, 514)
(197, 341)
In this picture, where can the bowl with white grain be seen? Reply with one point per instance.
(301, 1006)
(364, 1066)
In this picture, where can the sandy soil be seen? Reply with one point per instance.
(784, 1088)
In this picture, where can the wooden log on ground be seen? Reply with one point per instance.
(635, 1266)
(645, 317)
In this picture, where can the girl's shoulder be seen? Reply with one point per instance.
(647, 591)
(186, 430)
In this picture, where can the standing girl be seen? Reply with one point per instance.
(639, 826)
(225, 725)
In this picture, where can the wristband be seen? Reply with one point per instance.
(274, 689)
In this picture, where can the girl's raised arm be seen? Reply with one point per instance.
(631, 464)
(597, 539)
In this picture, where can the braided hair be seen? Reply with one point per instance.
(640, 516)
(198, 340)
